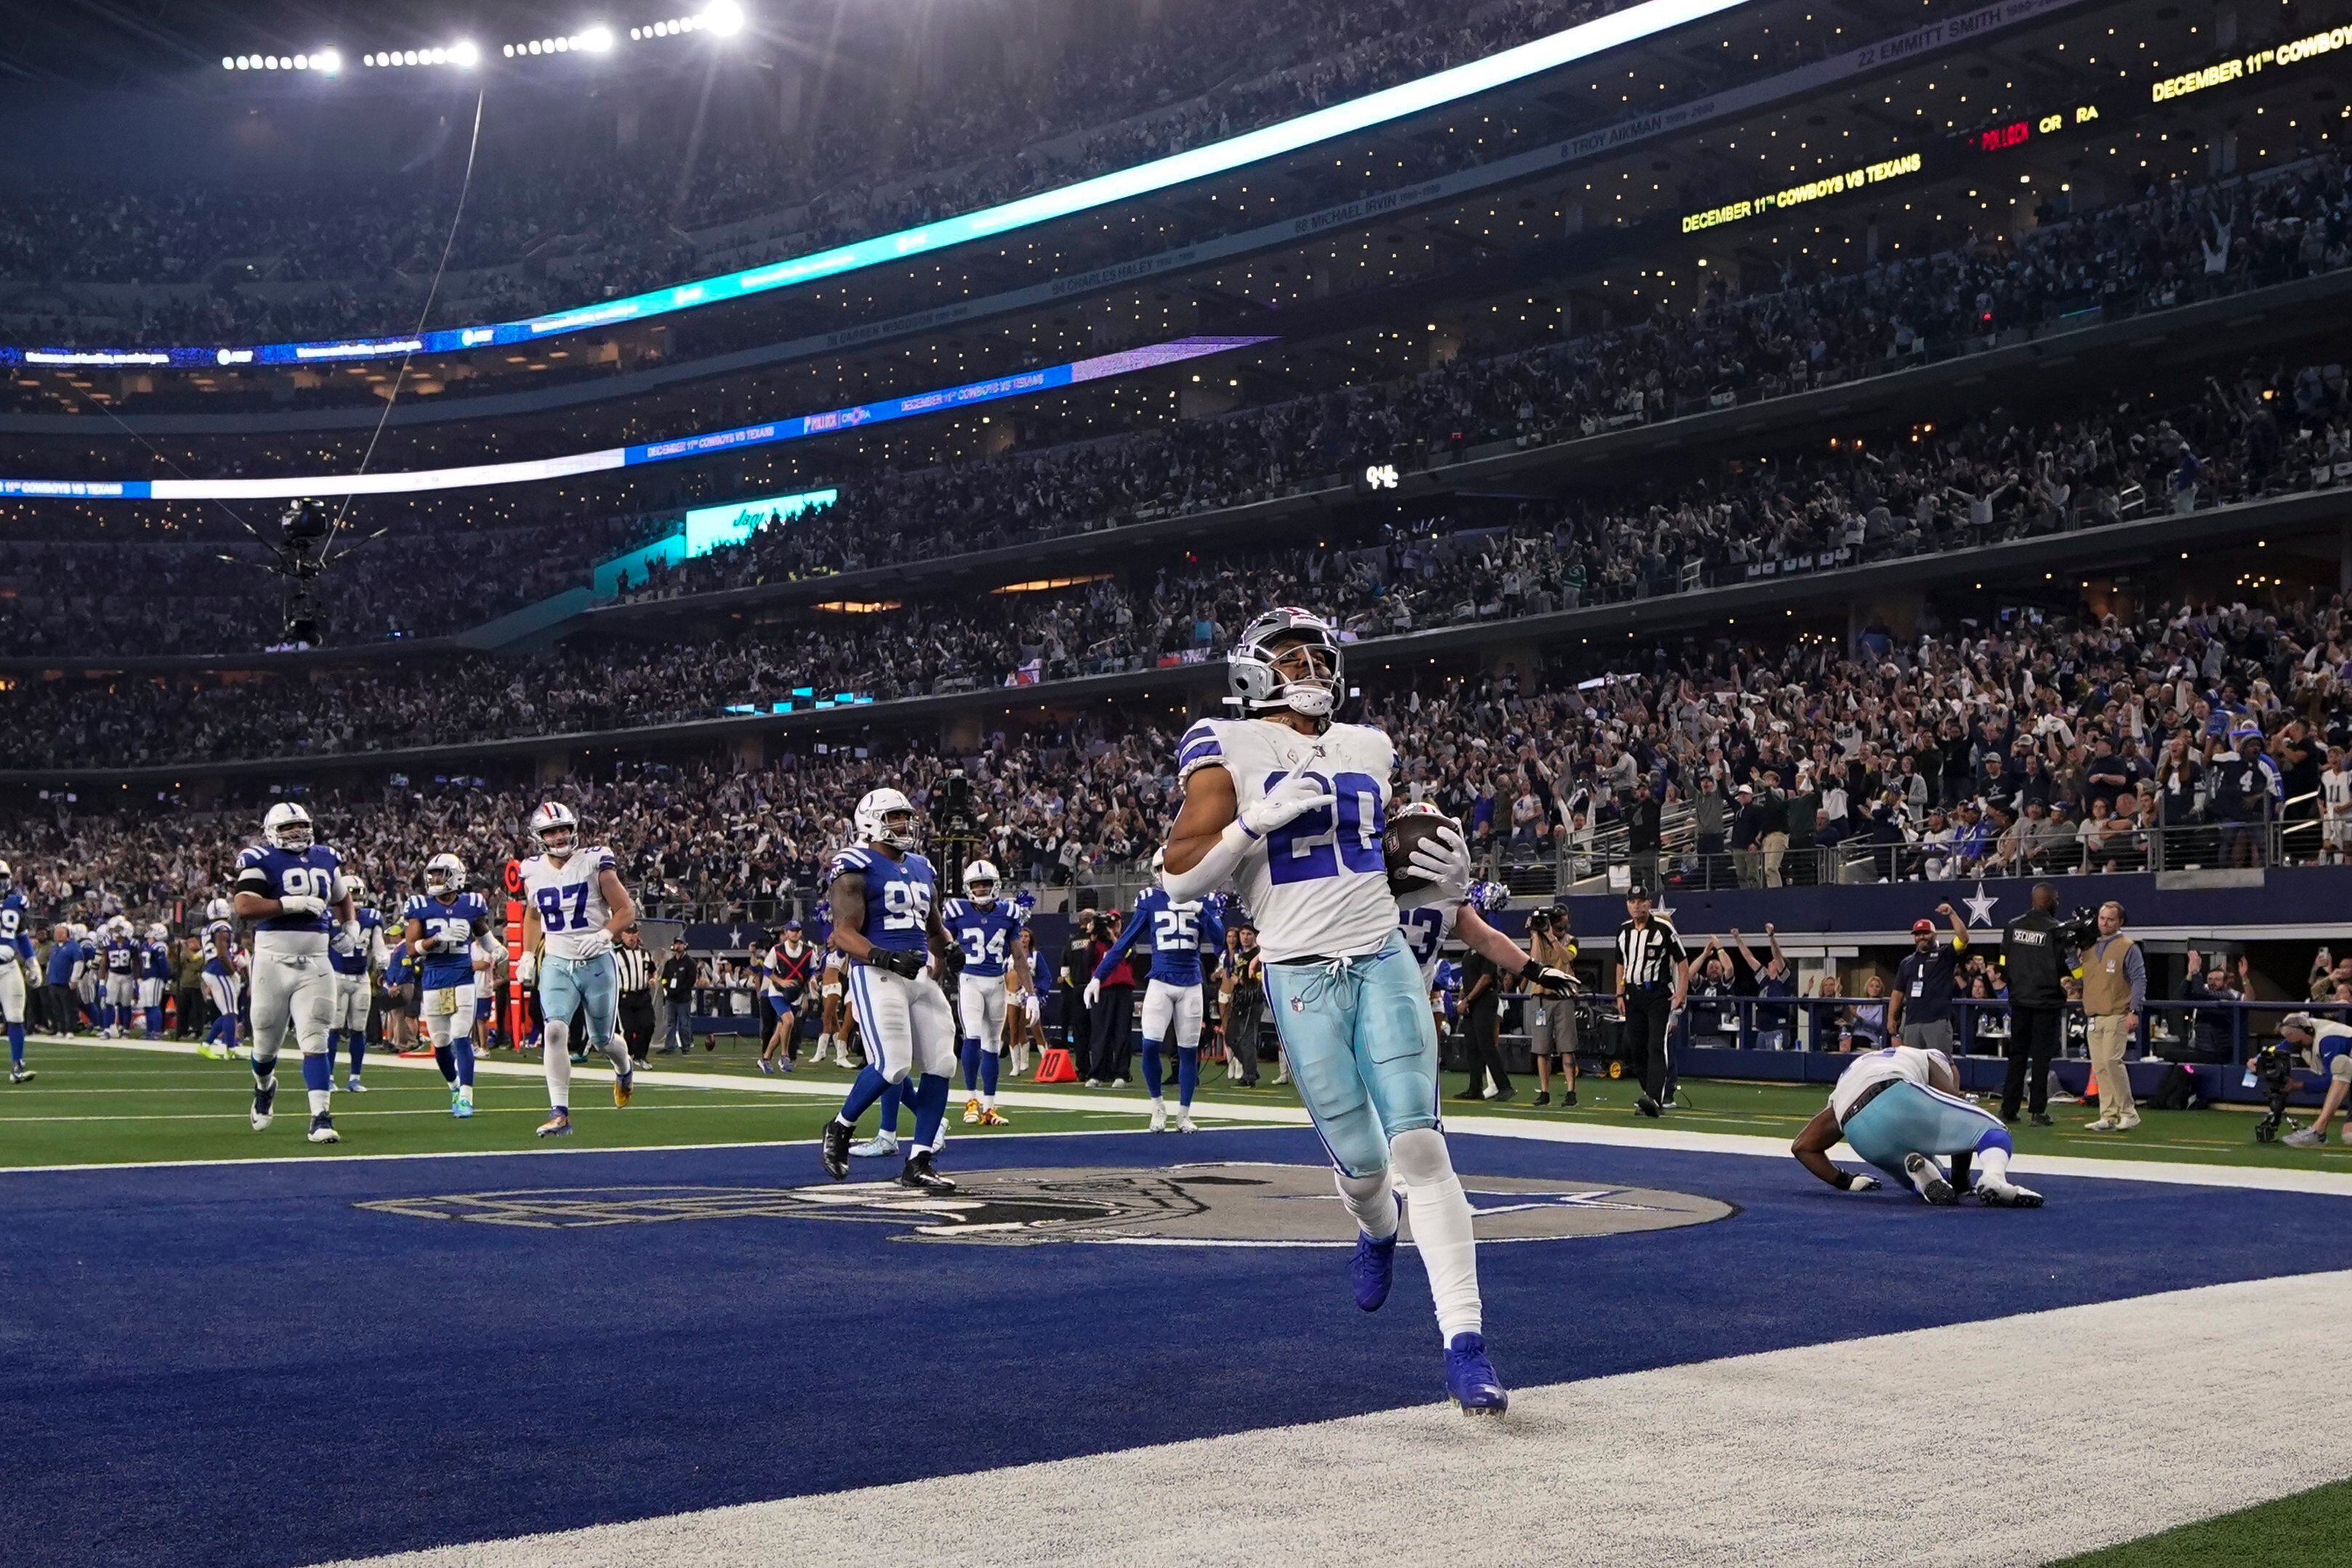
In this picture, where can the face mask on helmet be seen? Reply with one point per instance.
(1286, 658)
(288, 827)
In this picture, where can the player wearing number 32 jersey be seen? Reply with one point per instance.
(1289, 808)
(573, 903)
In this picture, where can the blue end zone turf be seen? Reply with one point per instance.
(235, 1365)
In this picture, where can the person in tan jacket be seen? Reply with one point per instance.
(2115, 990)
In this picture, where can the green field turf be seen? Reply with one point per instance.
(2306, 1531)
(101, 1104)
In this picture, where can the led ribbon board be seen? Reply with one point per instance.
(1398, 102)
(532, 470)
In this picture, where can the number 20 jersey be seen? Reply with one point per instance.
(1317, 887)
(570, 901)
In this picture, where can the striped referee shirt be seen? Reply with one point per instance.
(634, 965)
(1646, 955)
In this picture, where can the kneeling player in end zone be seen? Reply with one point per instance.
(1900, 1109)
(1290, 808)
(884, 916)
(573, 905)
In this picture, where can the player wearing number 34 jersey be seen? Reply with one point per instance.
(1289, 808)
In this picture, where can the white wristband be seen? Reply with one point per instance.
(1215, 868)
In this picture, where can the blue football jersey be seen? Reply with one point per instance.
(122, 955)
(401, 968)
(453, 924)
(1178, 933)
(15, 924)
(355, 962)
(987, 935)
(898, 895)
(314, 872)
(155, 962)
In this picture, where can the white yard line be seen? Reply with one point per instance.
(1984, 1443)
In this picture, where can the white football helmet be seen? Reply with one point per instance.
(7, 877)
(220, 909)
(120, 925)
(158, 933)
(444, 873)
(977, 875)
(355, 887)
(556, 828)
(1293, 634)
(78, 932)
(887, 817)
(288, 827)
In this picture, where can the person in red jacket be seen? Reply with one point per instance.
(1112, 1012)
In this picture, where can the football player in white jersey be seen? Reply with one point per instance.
(291, 888)
(1289, 808)
(573, 905)
(1900, 1109)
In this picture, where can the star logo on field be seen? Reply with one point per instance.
(1980, 906)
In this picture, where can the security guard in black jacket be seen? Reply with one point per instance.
(2035, 956)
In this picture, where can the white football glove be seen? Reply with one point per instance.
(1445, 858)
(1862, 1183)
(1093, 992)
(301, 903)
(1288, 801)
(527, 972)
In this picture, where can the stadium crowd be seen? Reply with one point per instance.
(1814, 332)
(1195, 71)
(2260, 433)
(2209, 733)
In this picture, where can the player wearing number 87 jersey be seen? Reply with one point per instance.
(573, 903)
(885, 918)
(1289, 808)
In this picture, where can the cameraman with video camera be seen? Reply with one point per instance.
(1551, 1019)
(2036, 957)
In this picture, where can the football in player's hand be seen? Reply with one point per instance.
(1397, 846)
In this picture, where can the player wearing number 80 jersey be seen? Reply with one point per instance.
(1290, 808)
(573, 901)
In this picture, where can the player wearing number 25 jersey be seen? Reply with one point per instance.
(885, 918)
(573, 898)
(1171, 1000)
(1289, 808)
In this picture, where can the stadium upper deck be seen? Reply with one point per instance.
(1612, 185)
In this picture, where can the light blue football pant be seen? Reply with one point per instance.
(1909, 1119)
(566, 985)
(1362, 1050)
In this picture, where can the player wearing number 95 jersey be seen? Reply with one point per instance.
(573, 903)
(1289, 808)
(883, 899)
(290, 886)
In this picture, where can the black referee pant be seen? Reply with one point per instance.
(637, 1022)
(2032, 1044)
(1485, 1028)
(1647, 1011)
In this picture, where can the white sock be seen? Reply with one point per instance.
(556, 1048)
(1992, 1167)
(1371, 1200)
(319, 1100)
(616, 1051)
(1441, 1230)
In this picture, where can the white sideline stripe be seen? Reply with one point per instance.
(1982, 1442)
(2331, 1184)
